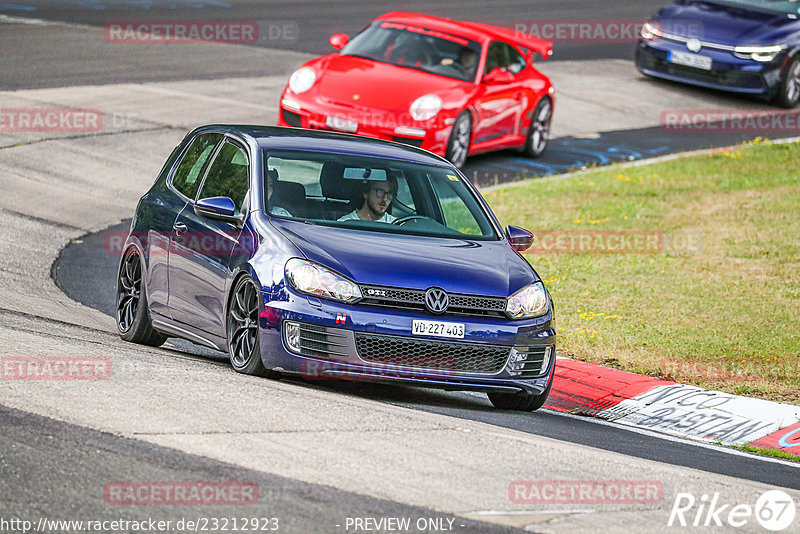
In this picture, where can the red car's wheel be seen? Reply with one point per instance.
(458, 144)
(539, 132)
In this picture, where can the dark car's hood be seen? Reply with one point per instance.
(724, 23)
(378, 85)
(488, 268)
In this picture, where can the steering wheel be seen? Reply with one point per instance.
(403, 220)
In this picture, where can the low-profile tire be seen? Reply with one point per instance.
(244, 348)
(133, 314)
(789, 89)
(459, 141)
(539, 131)
(520, 402)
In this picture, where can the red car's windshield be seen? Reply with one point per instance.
(417, 48)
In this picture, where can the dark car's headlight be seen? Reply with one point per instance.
(763, 54)
(314, 279)
(650, 31)
(530, 301)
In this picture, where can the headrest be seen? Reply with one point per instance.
(289, 192)
(334, 185)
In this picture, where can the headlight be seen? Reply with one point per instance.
(425, 107)
(530, 301)
(650, 31)
(302, 79)
(314, 279)
(758, 53)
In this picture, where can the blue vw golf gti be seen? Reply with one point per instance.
(332, 256)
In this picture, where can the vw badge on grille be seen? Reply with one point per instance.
(694, 45)
(436, 300)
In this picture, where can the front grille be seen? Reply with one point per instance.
(437, 355)
(415, 299)
(321, 342)
(292, 119)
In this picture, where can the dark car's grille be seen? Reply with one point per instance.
(321, 342)
(437, 355)
(292, 119)
(733, 77)
(415, 299)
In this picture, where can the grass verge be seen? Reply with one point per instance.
(708, 295)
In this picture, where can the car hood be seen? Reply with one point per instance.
(723, 23)
(490, 268)
(364, 84)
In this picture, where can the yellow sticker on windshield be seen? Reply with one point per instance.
(452, 177)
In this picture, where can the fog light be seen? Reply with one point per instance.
(292, 335)
(546, 359)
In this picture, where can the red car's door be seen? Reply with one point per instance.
(502, 98)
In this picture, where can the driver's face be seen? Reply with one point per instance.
(379, 197)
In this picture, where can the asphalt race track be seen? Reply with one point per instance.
(320, 455)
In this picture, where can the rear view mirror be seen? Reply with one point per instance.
(356, 173)
(219, 208)
(520, 238)
(339, 40)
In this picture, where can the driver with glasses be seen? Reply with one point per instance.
(377, 198)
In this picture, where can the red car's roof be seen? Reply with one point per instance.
(472, 30)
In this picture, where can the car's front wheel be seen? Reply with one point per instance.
(539, 131)
(133, 315)
(789, 90)
(458, 144)
(243, 344)
(520, 402)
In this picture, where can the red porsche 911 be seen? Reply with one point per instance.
(454, 88)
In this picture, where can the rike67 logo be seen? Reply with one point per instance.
(774, 510)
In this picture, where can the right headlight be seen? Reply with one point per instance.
(763, 54)
(302, 80)
(530, 301)
(314, 279)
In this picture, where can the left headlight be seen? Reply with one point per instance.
(314, 279)
(425, 107)
(758, 53)
(302, 79)
(650, 30)
(530, 301)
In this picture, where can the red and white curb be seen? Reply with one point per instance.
(676, 409)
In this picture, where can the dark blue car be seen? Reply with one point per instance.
(332, 256)
(743, 46)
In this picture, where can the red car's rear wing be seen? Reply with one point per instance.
(531, 42)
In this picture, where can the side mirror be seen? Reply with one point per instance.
(498, 76)
(339, 40)
(219, 208)
(520, 238)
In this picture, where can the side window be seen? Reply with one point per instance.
(190, 170)
(504, 56)
(228, 175)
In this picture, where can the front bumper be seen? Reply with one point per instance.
(304, 112)
(365, 342)
(727, 73)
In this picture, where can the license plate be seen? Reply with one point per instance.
(690, 60)
(437, 328)
(342, 124)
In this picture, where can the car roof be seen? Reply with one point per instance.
(472, 30)
(283, 138)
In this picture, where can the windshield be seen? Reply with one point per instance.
(784, 7)
(373, 194)
(417, 48)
